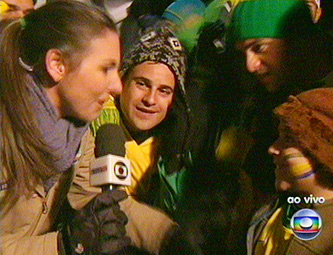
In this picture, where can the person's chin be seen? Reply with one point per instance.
(269, 83)
(142, 125)
(282, 186)
(88, 117)
(80, 120)
(271, 87)
(94, 114)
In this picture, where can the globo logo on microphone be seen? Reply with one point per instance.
(120, 170)
(110, 170)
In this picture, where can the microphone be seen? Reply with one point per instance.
(110, 168)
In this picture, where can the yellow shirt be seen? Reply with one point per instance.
(275, 237)
(143, 160)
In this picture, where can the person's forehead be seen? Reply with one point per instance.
(275, 42)
(152, 64)
(242, 45)
(149, 63)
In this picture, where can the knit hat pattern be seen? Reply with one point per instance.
(309, 118)
(162, 46)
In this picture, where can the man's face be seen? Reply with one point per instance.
(266, 60)
(147, 95)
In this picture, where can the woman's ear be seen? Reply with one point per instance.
(55, 65)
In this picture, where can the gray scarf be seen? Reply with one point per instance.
(61, 135)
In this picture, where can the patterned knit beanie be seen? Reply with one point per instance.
(162, 46)
(308, 118)
(270, 19)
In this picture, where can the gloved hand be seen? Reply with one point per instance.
(98, 228)
(211, 43)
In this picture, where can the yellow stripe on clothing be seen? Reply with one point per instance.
(275, 237)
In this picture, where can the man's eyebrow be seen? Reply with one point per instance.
(164, 86)
(148, 81)
(247, 44)
(142, 79)
(110, 61)
(255, 42)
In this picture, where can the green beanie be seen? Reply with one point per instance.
(270, 19)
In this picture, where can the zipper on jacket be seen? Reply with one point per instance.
(45, 207)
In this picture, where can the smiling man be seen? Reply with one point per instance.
(148, 96)
(152, 74)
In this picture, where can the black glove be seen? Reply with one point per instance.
(98, 228)
(211, 44)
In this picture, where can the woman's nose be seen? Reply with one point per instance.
(115, 86)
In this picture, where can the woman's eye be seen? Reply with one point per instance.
(109, 68)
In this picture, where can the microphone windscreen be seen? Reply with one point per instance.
(110, 139)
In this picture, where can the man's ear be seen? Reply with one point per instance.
(55, 65)
(318, 15)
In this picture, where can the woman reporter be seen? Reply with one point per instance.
(58, 66)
